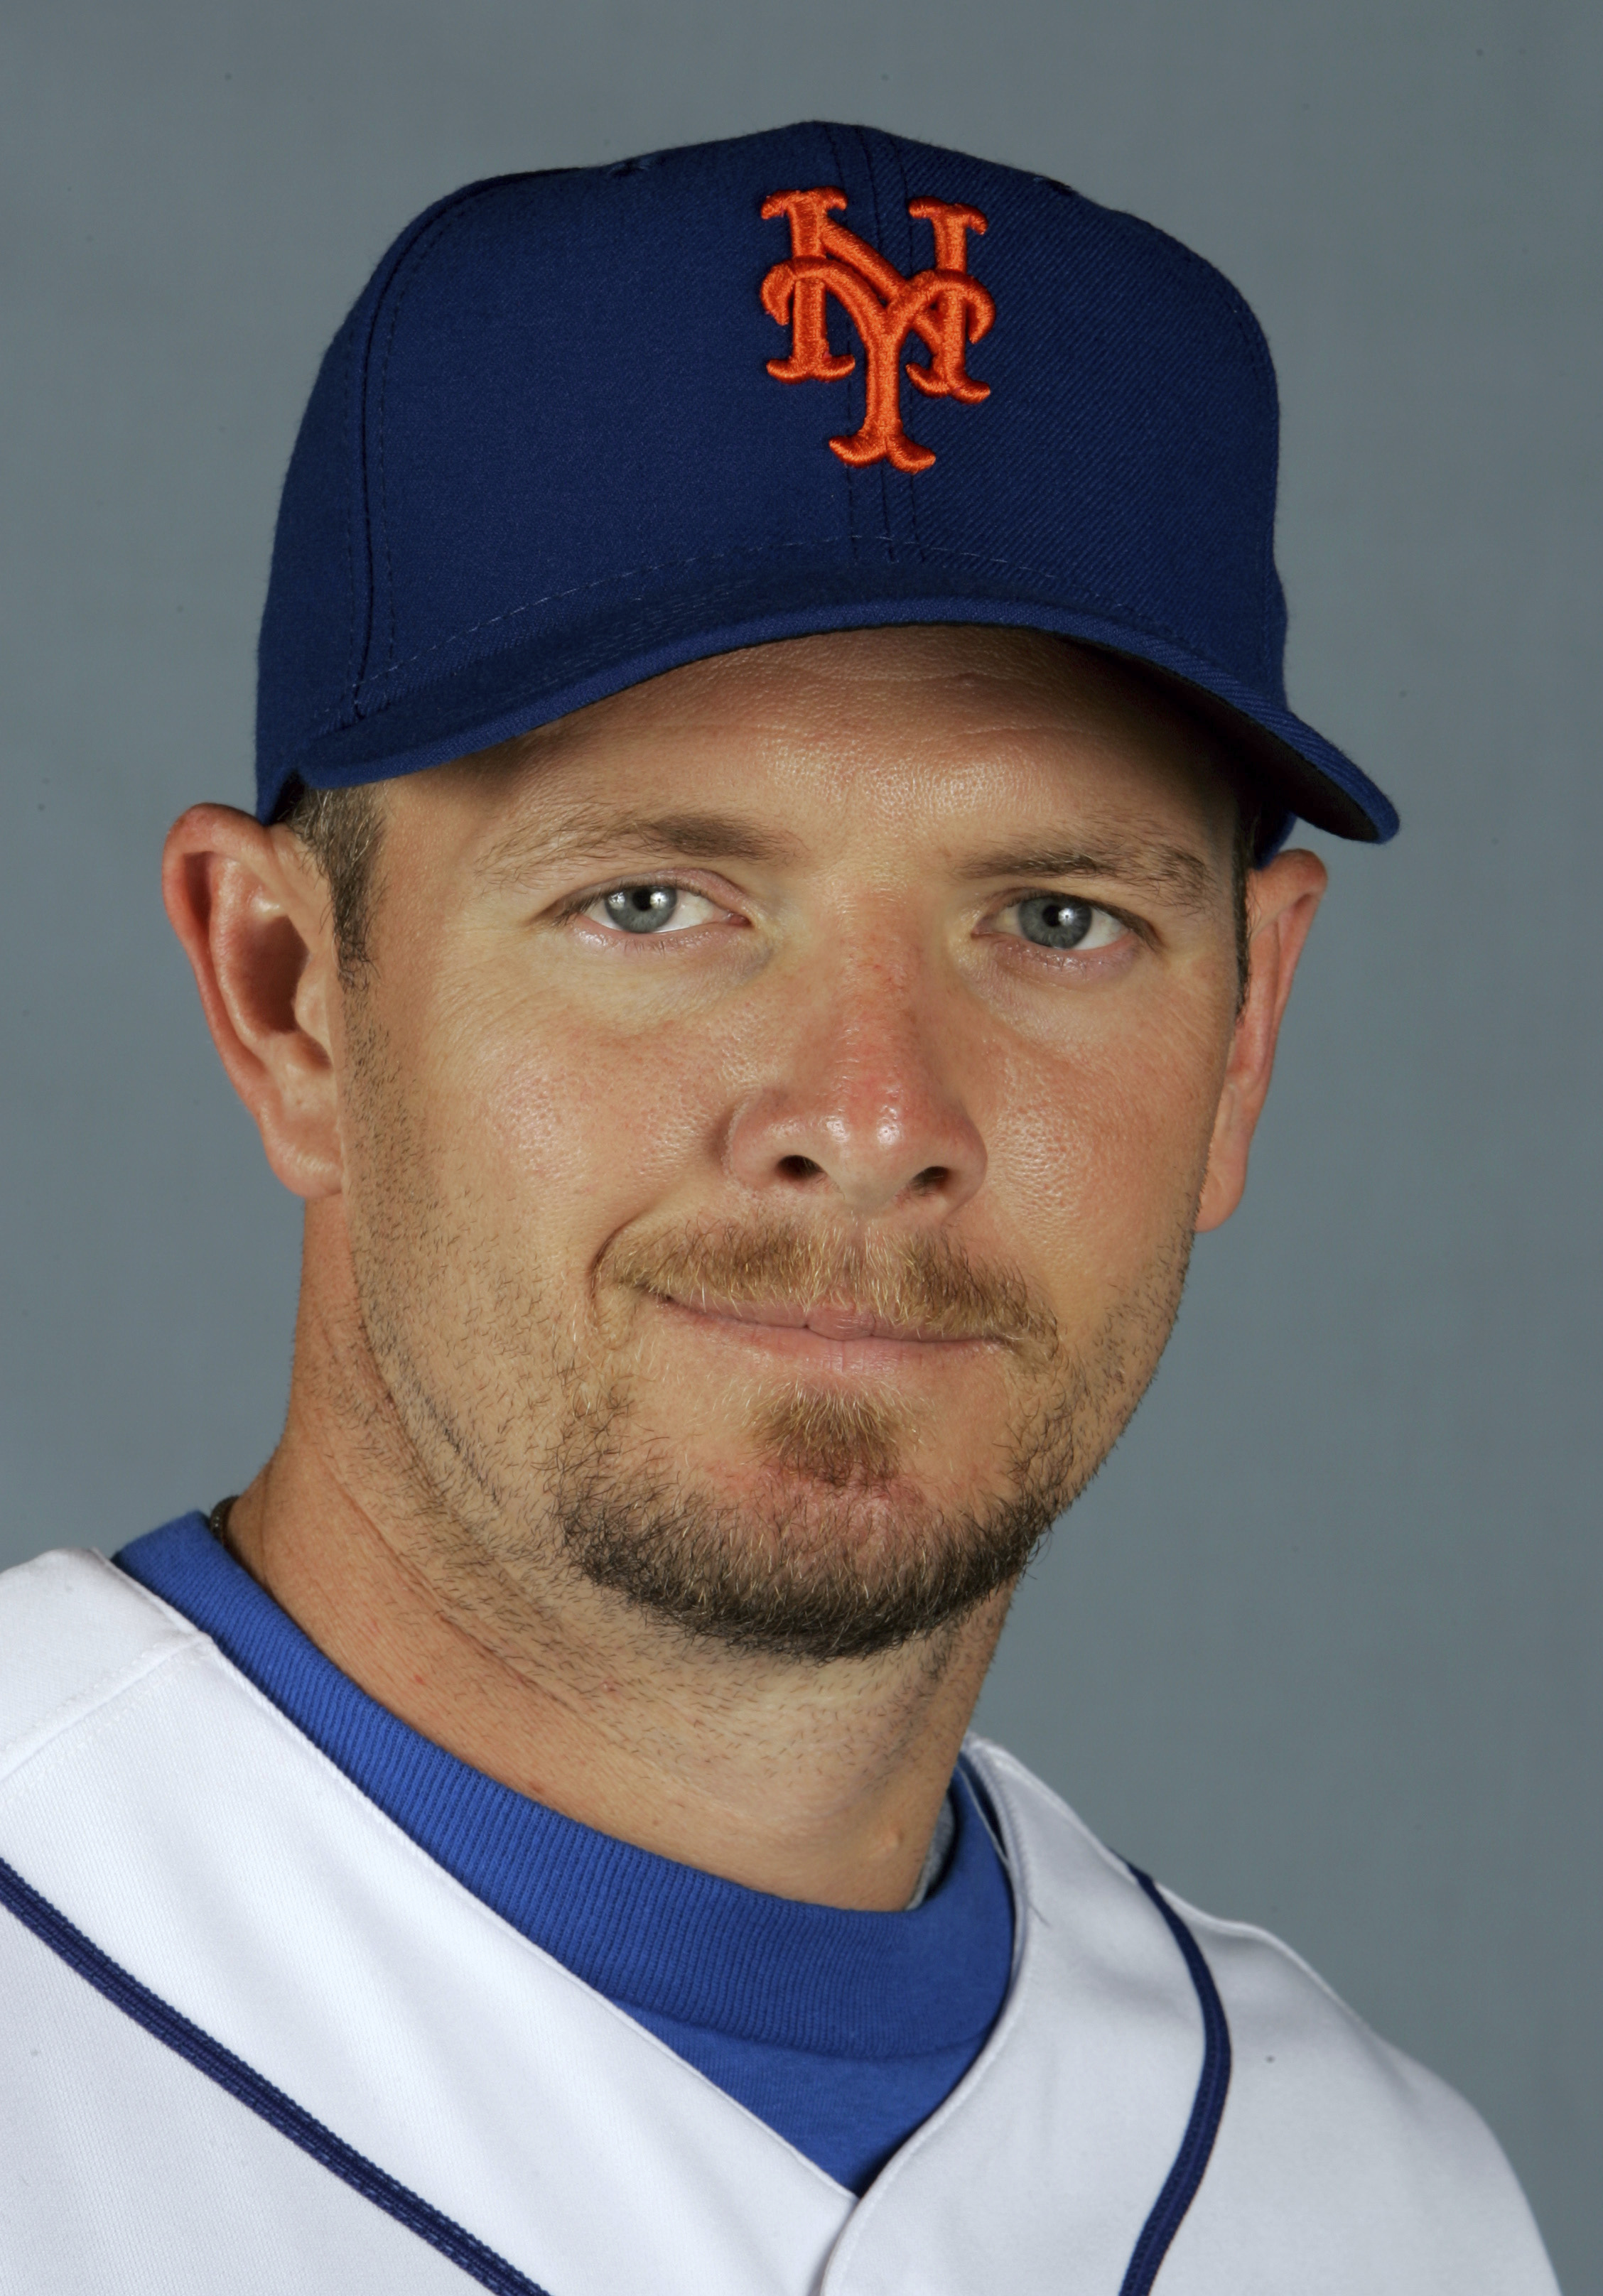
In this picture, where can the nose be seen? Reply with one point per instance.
(863, 1108)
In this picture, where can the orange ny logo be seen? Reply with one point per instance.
(943, 306)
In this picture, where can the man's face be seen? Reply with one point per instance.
(774, 1120)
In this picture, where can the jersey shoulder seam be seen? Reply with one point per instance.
(172, 1634)
(988, 1752)
(1211, 1925)
(181, 1639)
(1222, 1926)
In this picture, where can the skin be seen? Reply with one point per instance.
(851, 1041)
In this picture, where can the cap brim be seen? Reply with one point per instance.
(526, 683)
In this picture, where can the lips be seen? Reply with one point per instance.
(826, 1321)
(813, 1292)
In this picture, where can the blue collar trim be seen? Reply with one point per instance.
(650, 1934)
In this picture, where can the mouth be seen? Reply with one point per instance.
(838, 1334)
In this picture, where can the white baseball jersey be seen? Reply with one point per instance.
(254, 2039)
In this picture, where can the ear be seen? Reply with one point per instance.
(1281, 901)
(253, 913)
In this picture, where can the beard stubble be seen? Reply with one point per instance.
(528, 1432)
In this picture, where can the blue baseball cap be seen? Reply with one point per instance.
(587, 425)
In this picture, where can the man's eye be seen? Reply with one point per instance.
(1060, 921)
(652, 909)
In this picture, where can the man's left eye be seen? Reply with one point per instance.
(652, 909)
(1062, 921)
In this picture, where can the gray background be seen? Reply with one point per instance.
(1320, 1646)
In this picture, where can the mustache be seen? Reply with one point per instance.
(928, 1282)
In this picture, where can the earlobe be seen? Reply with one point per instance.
(1283, 900)
(251, 914)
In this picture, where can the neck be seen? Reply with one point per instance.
(820, 1782)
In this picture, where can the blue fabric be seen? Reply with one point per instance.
(842, 2030)
(544, 458)
(1180, 2187)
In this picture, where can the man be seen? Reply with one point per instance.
(762, 940)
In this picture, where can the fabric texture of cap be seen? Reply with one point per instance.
(583, 427)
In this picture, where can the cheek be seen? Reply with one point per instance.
(1098, 1158)
(569, 1130)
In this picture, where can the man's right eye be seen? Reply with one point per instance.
(1062, 921)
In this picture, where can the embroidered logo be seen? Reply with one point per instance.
(943, 306)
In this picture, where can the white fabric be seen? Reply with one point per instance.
(935, 1856)
(169, 1812)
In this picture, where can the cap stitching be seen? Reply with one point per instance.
(909, 491)
(867, 150)
(1252, 338)
(757, 550)
(352, 666)
(369, 312)
(413, 262)
(851, 381)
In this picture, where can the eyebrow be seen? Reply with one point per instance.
(691, 836)
(1151, 865)
(1172, 871)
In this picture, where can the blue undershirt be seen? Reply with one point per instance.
(842, 2030)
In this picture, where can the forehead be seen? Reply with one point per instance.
(927, 733)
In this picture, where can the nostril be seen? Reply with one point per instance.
(931, 1180)
(800, 1168)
